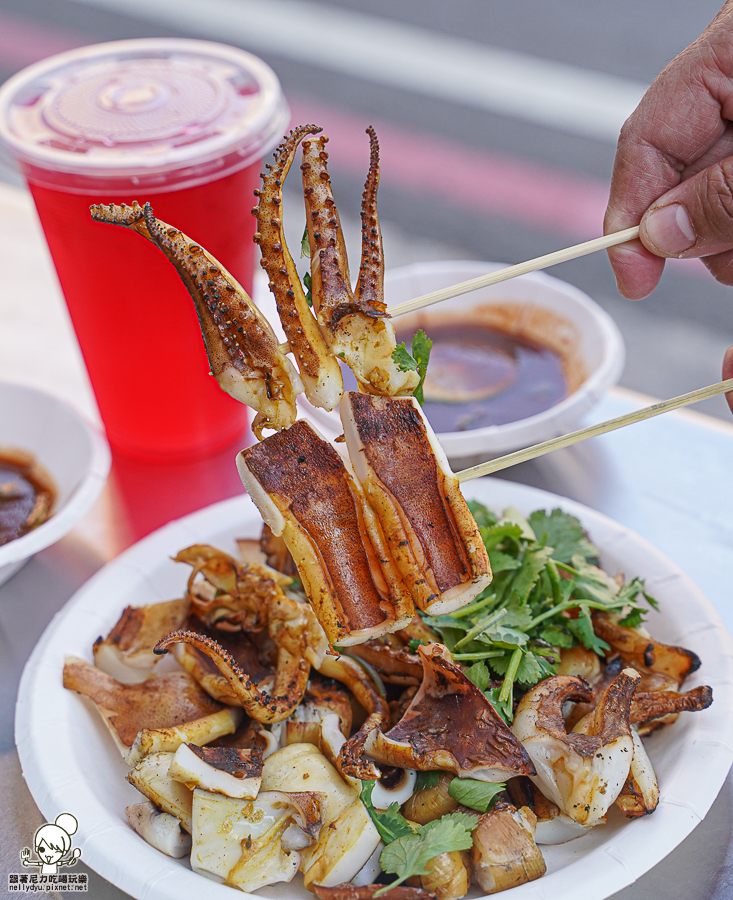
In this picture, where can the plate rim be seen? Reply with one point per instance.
(241, 507)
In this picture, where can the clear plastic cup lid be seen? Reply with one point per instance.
(159, 112)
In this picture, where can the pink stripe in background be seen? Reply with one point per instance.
(492, 184)
(23, 41)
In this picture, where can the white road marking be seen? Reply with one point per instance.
(517, 85)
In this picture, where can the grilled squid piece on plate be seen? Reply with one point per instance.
(319, 370)
(243, 351)
(348, 837)
(355, 324)
(220, 770)
(270, 706)
(582, 772)
(431, 533)
(163, 702)
(127, 652)
(160, 829)
(638, 649)
(253, 843)
(303, 491)
(450, 725)
(640, 794)
(553, 826)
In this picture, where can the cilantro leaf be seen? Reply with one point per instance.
(634, 618)
(421, 347)
(402, 358)
(426, 780)
(410, 855)
(563, 533)
(582, 628)
(557, 637)
(474, 794)
(479, 675)
(417, 361)
(502, 707)
(535, 560)
(503, 562)
(305, 246)
(308, 282)
(390, 824)
(484, 517)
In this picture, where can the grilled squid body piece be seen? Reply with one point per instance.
(127, 652)
(319, 370)
(354, 323)
(243, 351)
(405, 474)
(303, 491)
(450, 726)
(582, 772)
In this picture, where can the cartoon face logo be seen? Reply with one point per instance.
(52, 844)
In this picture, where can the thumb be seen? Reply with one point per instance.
(695, 218)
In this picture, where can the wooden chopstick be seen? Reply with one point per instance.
(566, 440)
(540, 262)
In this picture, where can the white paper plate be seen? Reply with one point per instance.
(71, 764)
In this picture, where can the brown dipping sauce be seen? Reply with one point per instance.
(27, 494)
(480, 376)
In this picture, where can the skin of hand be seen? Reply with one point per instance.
(673, 172)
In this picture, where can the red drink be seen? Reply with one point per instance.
(198, 167)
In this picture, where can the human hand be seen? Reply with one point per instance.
(25, 855)
(673, 172)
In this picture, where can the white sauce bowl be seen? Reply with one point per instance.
(71, 450)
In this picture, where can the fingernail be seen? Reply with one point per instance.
(669, 230)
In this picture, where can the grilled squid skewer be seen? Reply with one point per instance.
(355, 324)
(304, 493)
(431, 533)
(243, 351)
(319, 370)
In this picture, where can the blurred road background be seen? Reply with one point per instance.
(497, 121)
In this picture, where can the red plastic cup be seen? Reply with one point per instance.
(183, 125)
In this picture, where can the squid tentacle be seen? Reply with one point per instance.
(242, 348)
(356, 327)
(319, 370)
(290, 682)
(369, 293)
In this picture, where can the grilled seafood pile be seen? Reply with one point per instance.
(266, 754)
(390, 500)
(385, 760)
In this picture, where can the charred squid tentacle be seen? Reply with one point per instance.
(319, 370)
(369, 293)
(242, 348)
(288, 690)
(357, 328)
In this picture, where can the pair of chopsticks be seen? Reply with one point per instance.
(532, 265)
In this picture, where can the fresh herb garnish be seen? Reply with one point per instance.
(426, 780)
(305, 245)
(409, 855)
(308, 282)
(546, 585)
(417, 361)
(478, 795)
(390, 824)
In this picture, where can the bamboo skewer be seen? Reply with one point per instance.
(531, 265)
(566, 440)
